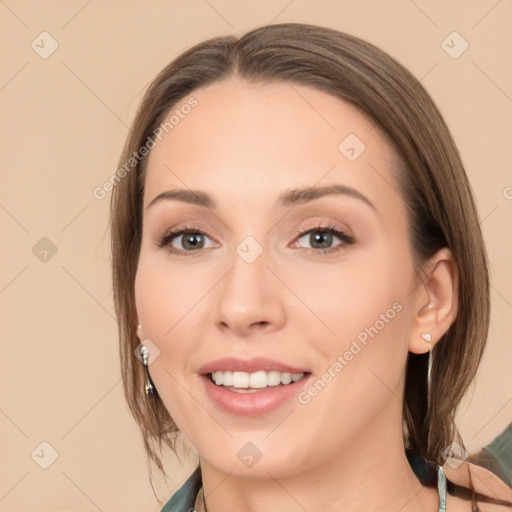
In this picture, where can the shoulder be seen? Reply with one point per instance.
(490, 507)
(458, 504)
(485, 483)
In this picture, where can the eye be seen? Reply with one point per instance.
(184, 240)
(322, 238)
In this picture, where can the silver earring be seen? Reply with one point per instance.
(427, 337)
(149, 387)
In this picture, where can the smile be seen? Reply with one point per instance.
(250, 382)
(253, 387)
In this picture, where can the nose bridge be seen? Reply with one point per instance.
(249, 295)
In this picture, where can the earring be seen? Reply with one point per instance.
(427, 337)
(149, 387)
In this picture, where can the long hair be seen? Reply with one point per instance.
(430, 176)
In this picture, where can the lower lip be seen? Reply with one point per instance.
(253, 403)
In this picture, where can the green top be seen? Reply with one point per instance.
(497, 456)
(184, 499)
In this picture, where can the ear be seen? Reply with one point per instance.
(436, 301)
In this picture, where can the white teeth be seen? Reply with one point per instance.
(240, 380)
(256, 380)
(274, 378)
(286, 378)
(227, 378)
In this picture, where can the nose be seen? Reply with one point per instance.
(249, 299)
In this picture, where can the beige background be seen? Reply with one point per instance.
(64, 119)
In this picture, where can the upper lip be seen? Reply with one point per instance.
(232, 364)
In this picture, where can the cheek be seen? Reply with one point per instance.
(172, 305)
(365, 305)
(357, 294)
(166, 294)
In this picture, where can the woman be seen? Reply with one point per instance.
(298, 265)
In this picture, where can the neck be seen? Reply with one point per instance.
(370, 473)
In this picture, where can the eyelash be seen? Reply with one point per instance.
(346, 239)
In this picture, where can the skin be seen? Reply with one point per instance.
(244, 144)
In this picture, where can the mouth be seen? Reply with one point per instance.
(251, 388)
(244, 382)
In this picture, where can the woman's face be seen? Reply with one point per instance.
(276, 276)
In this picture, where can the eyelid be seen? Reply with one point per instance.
(327, 226)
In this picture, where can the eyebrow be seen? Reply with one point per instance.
(288, 198)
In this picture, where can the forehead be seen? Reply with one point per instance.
(257, 139)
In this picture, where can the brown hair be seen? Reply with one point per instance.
(430, 176)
